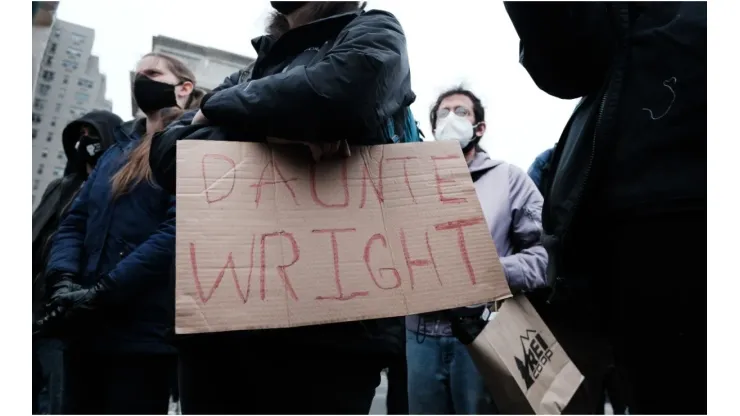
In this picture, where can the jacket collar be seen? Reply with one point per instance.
(132, 130)
(310, 34)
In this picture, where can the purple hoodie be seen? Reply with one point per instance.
(512, 206)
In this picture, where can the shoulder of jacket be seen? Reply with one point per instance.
(380, 16)
(53, 185)
(518, 176)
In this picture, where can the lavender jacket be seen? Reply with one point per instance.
(512, 206)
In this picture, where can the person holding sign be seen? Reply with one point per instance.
(442, 377)
(110, 265)
(325, 72)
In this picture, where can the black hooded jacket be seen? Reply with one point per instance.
(60, 193)
(636, 143)
(341, 77)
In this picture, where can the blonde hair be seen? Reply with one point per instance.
(137, 167)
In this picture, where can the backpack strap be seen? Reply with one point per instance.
(403, 127)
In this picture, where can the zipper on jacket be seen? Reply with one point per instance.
(577, 202)
(622, 29)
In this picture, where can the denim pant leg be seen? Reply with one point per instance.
(38, 382)
(427, 375)
(51, 358)
(469, 393)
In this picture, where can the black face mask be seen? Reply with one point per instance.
(287, 7)
(89, 150)
(151, 95)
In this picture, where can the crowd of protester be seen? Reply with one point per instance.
(590, 233)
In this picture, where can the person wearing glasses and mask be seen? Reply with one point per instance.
(111, 262)
(442, 378)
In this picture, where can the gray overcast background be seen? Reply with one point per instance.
(449, 42)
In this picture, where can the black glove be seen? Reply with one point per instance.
(464, 326)
(69, 305)
(62, 284)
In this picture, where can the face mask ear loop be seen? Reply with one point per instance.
(190, 97)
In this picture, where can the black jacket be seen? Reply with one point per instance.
(636, 143)
(60, 193)
(342, 77)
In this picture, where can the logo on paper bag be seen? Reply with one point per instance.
(536, 355)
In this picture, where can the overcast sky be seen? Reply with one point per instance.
(451, 42)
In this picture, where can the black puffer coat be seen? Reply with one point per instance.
(342, 77)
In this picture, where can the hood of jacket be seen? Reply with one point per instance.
(104, 123)
(482, 162)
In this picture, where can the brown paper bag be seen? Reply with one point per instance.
(523, 365)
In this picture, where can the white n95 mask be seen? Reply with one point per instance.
(454, 127)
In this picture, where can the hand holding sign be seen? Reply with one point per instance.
(319, 150)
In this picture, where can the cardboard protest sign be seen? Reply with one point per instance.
(268, 239)
(525, 368)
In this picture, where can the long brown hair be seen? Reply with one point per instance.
(278, 24)
(137, 167)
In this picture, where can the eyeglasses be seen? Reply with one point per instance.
(459, 111)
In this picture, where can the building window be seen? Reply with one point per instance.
(78, 39)
(43, 89)
(69, 66)
(34, 133)
(47, 76)
(40, 170)
(53, 122)
(74, 53)
(50, 136)
(86, 83)
(45, 153)
(61, 155)
(57, 33)
(58, 107)
(52, 48)
(76, 112)
(36, 117)
(62, 93)
(39, 104)
(35, 184)
(58, 171)
(49, 60)
(65, 80)
(81, 98)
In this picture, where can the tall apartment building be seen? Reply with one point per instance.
(43, 18)
(209, 65)
(69, 85)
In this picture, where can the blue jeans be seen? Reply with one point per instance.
(443, 378)
(48, 376)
